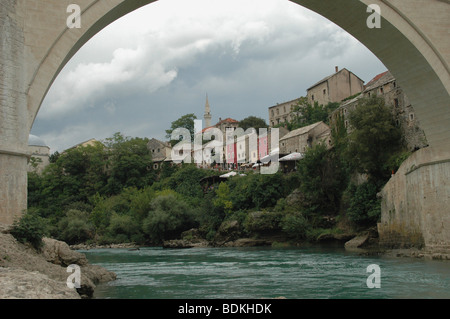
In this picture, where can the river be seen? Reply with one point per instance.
(292, 273)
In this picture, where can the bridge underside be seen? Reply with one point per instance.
(412, 43)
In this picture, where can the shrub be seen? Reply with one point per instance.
(295, 225)
(169, 216)
(364, 206)
(263, 222)
(75, 227)
(123, 228)
(30, 228)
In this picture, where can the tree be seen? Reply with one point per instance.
(168, 217)
(322, 180)
(253, 122)
(187, 122)
(307, 113)
(130, 163)
(374, 138)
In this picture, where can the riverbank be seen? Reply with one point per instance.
(27, 273)
(363, 243)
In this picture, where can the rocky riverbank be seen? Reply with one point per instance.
(26, 273)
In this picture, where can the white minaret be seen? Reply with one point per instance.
(207, 115)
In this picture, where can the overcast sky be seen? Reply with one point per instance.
(158, 63)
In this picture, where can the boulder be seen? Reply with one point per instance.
(17, 283)
(357, 242)
(59, 253)
(29, 273)
(229, 230)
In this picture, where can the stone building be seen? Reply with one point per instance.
(227, 123)
(283, 112)
(335, 87)
(40, 154)
(298, 141)
(384, 85)
(161, 151)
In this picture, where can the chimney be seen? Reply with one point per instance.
(337, 69)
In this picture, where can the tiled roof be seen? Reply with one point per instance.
(228, 120)
(300, 131)
(379, 80)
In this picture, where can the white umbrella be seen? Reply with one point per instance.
(232, 173)
(292, 157)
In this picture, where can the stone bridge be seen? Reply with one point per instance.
(413, 43)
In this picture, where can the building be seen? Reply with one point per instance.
(90, 142)
(384, 85)
(40, 154)
(265, 141)
(335, 87)
(207, 116)
(299, 140)
(161, 152)
(227, 123)
(283, 112)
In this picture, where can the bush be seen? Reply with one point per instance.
(168, 218)
(30, 228)
(263, 222)
(75, 227)
(364, 206)
(123, 228)
(295, 225)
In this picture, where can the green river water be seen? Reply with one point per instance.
(293, 273)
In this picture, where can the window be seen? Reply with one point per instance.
(395, 84)
(273, 113)
(278, 111)
(158, 150)
(396, 102)
(324, 91)
(346, 123)
(411, 116)
(284, 108)
(381, 90)
(312, 97)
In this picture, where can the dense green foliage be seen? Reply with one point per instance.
(374, 139)
(30, 229)
(306, 114)
(185, 122)
(109, 193)
(253, 122)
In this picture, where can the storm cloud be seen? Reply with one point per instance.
(157, 64)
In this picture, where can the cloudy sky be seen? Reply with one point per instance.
(158, 63)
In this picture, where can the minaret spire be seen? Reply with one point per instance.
(207, 115)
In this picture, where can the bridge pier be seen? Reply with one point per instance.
(415, 210)
(14, 126)
(13, 185)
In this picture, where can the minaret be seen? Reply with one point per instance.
(207, 115)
